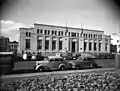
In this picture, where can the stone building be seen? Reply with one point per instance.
(116, 40)
(49, 38)
(4, 44)
(13, 46)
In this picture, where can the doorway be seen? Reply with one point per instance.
(73, 46)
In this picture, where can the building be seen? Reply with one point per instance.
(13, 46)
(51, 39)
(116, 40)
(4, 44)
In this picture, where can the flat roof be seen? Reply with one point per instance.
(68, 27)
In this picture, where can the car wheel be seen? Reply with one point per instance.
(41, 69)
(62, 68)
(78, 67)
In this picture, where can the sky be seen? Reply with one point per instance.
(101, 15)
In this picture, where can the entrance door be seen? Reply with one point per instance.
(73, 46)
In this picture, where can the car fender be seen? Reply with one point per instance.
(62, 65)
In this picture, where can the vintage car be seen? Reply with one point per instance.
(51, 63)
(83, 62)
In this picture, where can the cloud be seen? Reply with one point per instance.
(11, 29)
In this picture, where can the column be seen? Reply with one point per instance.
(97, 45)
(50, 44)
(93, 45)
(70, 44)
(87, 45)
(57, 42)
(43, 44)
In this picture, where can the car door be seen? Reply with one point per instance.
(87, 62)
(57, 62)
(51, 64)
(84, 63)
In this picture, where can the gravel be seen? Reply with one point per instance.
(103, 81)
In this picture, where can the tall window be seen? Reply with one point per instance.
(60, 45)
(90, 46)
(54, 45)
(46, 44)
(45, 32)
(85, 46)
(59, 33)
(27, 44)
(55, 32)
(28, 34)
(106, 44)
(38, 31)
(95, 48)
(39, 44)
(99, 46)
(48, 32)
(52, 32)
(41, 31)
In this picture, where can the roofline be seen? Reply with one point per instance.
(26, 28)
(67, 27)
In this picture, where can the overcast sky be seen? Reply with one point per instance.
(95, 14)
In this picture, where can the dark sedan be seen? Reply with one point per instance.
(83, 62)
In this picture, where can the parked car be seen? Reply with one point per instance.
(51, 63)
(83, 62)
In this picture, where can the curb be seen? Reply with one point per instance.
(56, 73)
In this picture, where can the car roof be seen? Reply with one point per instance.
(53, 57)
(5, 53)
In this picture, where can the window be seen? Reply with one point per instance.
(38, 31)
(29, 34)
(69, 34)
(61, 32)
(48, 32)
(26, 33)
(46, 44)
(52, 32)
(73, 34)
(39, 44)
(90, 46)
(117, 40)
(54, 45)
(27, 44)
(41, 31)
(84, 35)
(95, 48)
(85, 46)
(60, 45)
(106, 44)
(106, 39)
(77, 34)
(89, 36)
(45, 32)
(99, 46)
(55, 32)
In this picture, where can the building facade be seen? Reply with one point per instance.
(116, 40)
(49, 38)
(13, 46)
(4, 44)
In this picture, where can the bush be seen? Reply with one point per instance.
(104, 81)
